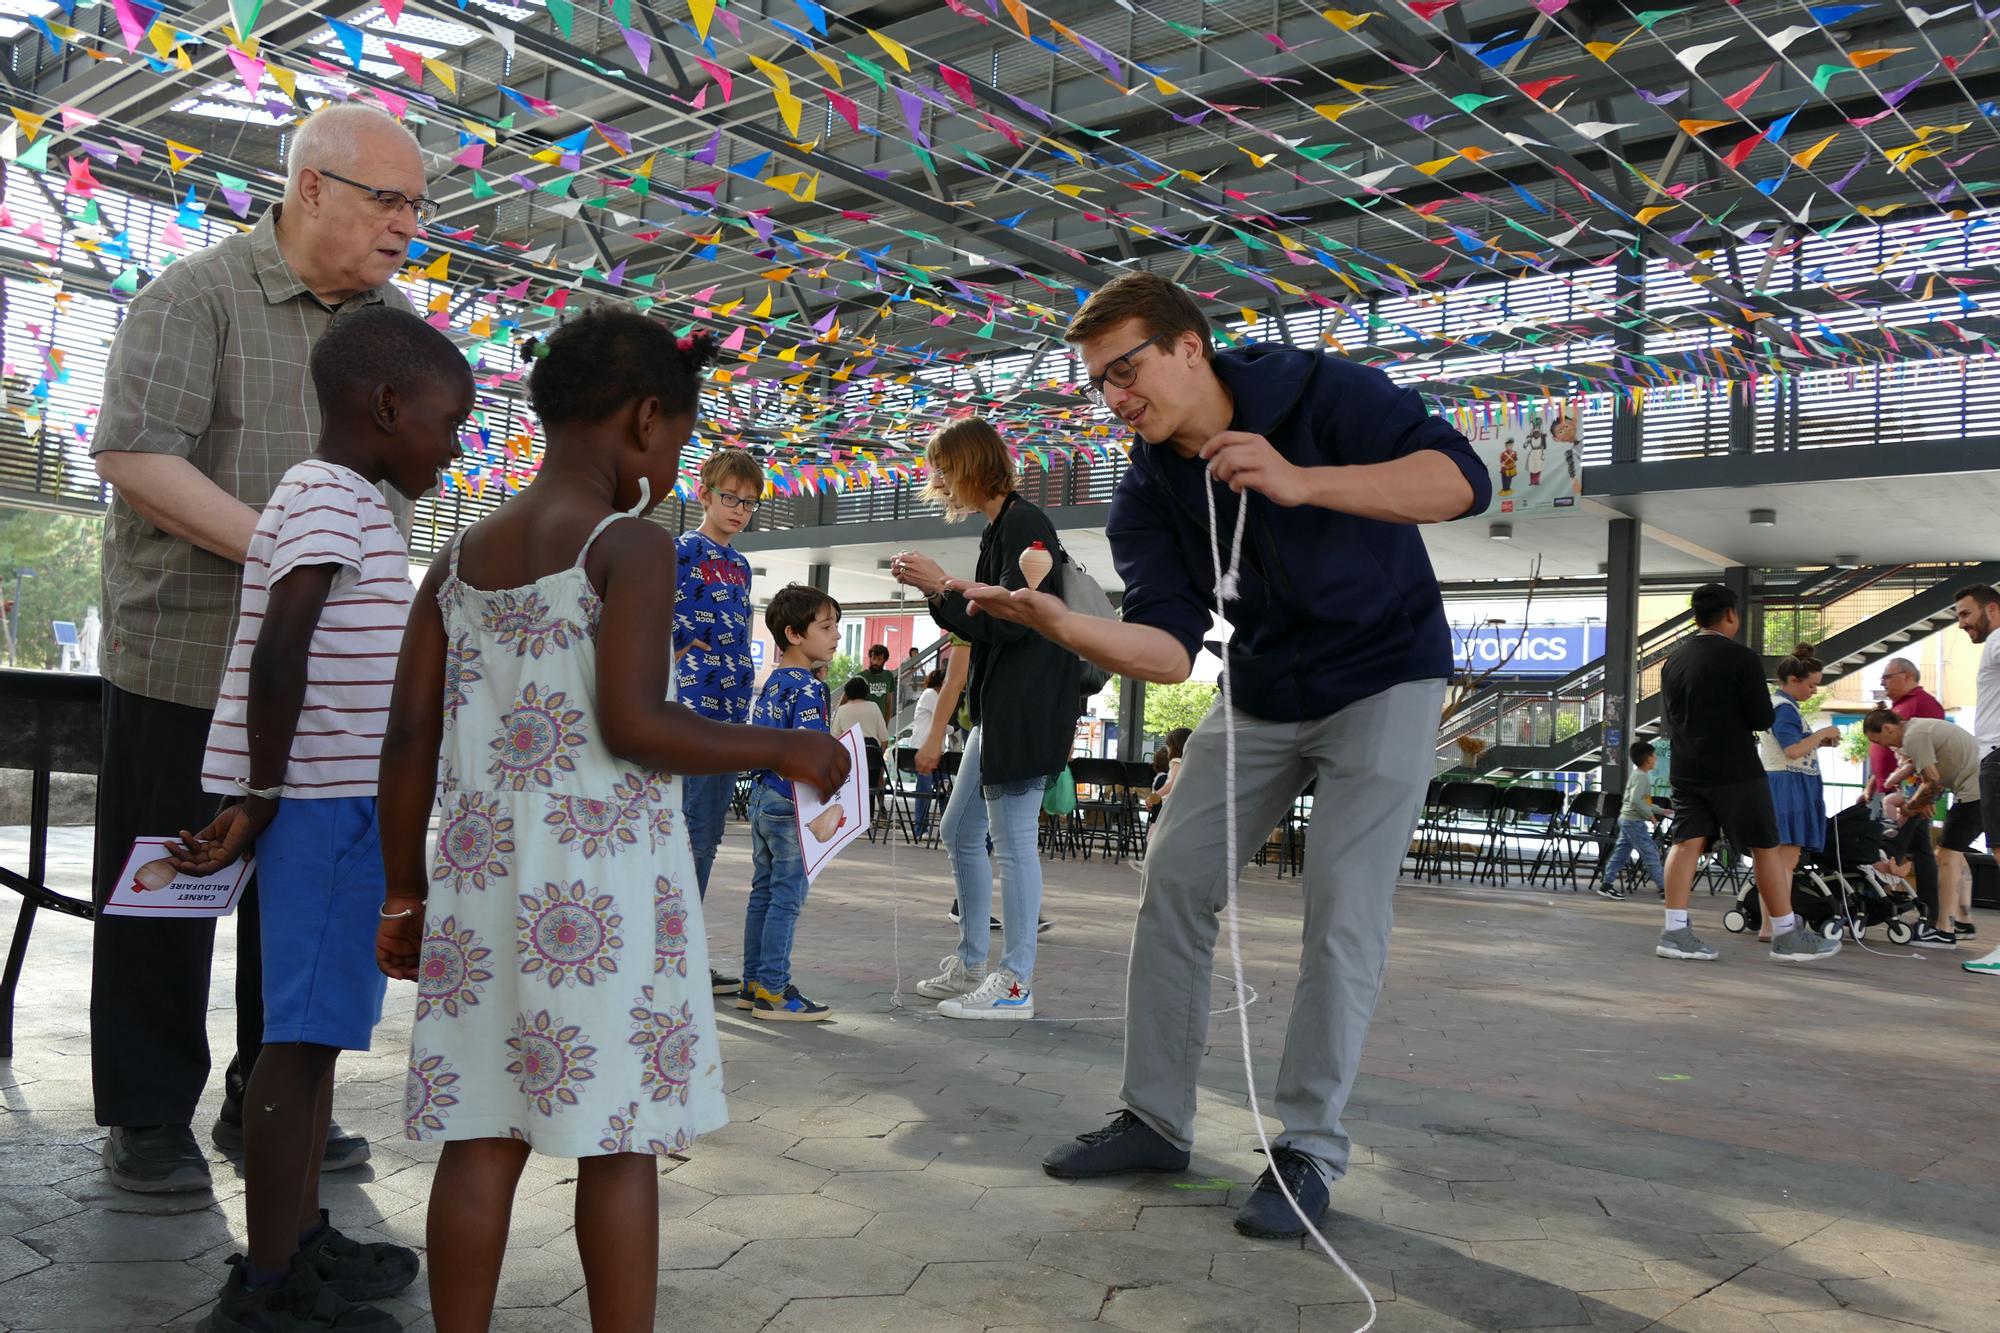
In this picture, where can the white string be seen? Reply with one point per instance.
(1226, 584)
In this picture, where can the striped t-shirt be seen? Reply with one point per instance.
(322, 514)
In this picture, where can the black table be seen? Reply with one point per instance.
(54, 724)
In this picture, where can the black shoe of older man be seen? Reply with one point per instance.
(155, 1159)
(1126, 1145)
(344, 1151)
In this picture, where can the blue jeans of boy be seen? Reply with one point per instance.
(926, 784)
(1009, 815)
(1635, 835)
(705, 804)
(777, 891)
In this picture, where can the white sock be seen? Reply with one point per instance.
(1677, 918)
(1784, 925)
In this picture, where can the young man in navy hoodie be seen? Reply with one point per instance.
(1337, 667)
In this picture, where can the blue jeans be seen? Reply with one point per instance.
(1634, 835)
(777, 891)
(1007, 815)
(705, 805)
(926, 784)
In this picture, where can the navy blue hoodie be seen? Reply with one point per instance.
(1331, 608)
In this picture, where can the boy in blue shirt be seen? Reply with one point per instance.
(805, 623)
(712, 642)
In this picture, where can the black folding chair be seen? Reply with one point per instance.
(1528, 817)
(1469, 811)
(1105, 813)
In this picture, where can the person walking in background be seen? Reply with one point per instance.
(881, 681)
(1790, 755)
(1977, 607)
(207, 404)
(1714, 702)
(1636, 817)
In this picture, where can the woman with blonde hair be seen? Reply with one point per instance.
(1025, 694)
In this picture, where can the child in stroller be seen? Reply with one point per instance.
(1850, 885)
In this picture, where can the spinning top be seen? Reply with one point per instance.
(1036, 562)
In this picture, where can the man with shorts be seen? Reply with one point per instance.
(1978, 609)
(1944, 758)
(1714, 701)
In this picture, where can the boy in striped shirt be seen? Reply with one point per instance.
(296, 744)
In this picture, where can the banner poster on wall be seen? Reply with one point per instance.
(1530, 450)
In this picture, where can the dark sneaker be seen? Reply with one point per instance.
(952, 914)
(744, 999)
(719, 984)
(1613, 892)
(1043, 923)
(1126, 1144)
(1930, 937)
(1268, 1214)
(359, 1270)
(1965, 930)
(155, 1159)
(344, 1151)
(298, 1303)
(791, 1007)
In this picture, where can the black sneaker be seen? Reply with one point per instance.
(1965, 930)
(1126, 1144)
(1930, 937)
(1613, 892)
(344, 1151)
(359, 1270)
(1043, 923)
(301, 1301)
(791, 1007)
(719, 984)
(744, 999)
(155, 1159)
(952, 914)
(1267, 1214)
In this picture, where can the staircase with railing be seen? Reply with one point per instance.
(1854, 616)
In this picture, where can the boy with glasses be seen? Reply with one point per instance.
(712, 642)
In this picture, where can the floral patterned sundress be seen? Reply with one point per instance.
(563, 993)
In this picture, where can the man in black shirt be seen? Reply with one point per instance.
(1714, 701)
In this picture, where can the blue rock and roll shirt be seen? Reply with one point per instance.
(792, 700)
(712, 606)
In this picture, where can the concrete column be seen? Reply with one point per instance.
(1630, 278)
(1131, 717)
(1742, 580)
(820, 576)
(1621, 647)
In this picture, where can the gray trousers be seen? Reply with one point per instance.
(1373, 760)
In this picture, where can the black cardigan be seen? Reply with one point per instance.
(1025, 691)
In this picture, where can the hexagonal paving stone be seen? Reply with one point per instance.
(99, 1296)
(826, 1122)
(1198, 1307)
(842, 1155)
(1915, 1303)
(704, 1300)
(938, 1235)
(686, 1243)
(1461, 1221)
(841, 1267)
(1301, 1276)
(1563, 1263)
(739, 1171)
(867, 1314)
(895, 1191)
(16, 1258)
(1117, 1257)
(1204, 1229)
(777, 1216)
(1043, 1208)
(95, 1234)
(1489, 1297)
(1004, 1292)
(1008, 1169)
(1634, 1240)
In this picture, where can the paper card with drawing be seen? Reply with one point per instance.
(150, 886)
(827, 823)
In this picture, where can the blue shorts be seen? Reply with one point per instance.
(319, 887)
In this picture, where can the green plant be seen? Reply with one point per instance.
(1854, 743)
(838, 670)
(63, 550)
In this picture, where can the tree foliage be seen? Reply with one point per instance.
(1169, 706)
(63, 551)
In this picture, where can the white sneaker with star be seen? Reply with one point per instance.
(1002, 996)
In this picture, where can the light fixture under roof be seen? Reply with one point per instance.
(1763, 518)
(1500, 532)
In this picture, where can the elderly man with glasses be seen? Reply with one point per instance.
(1908, 699)
(207, 403)
(1337, 667)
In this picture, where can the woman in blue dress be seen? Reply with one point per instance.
(1791, 761)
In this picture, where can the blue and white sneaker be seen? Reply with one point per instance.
(1002, 996)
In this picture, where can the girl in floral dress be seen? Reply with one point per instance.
(562, 998)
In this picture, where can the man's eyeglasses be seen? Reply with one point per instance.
(1119, 374)
(391, 201)
(729, 501)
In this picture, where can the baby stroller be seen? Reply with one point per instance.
(1837, 889)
